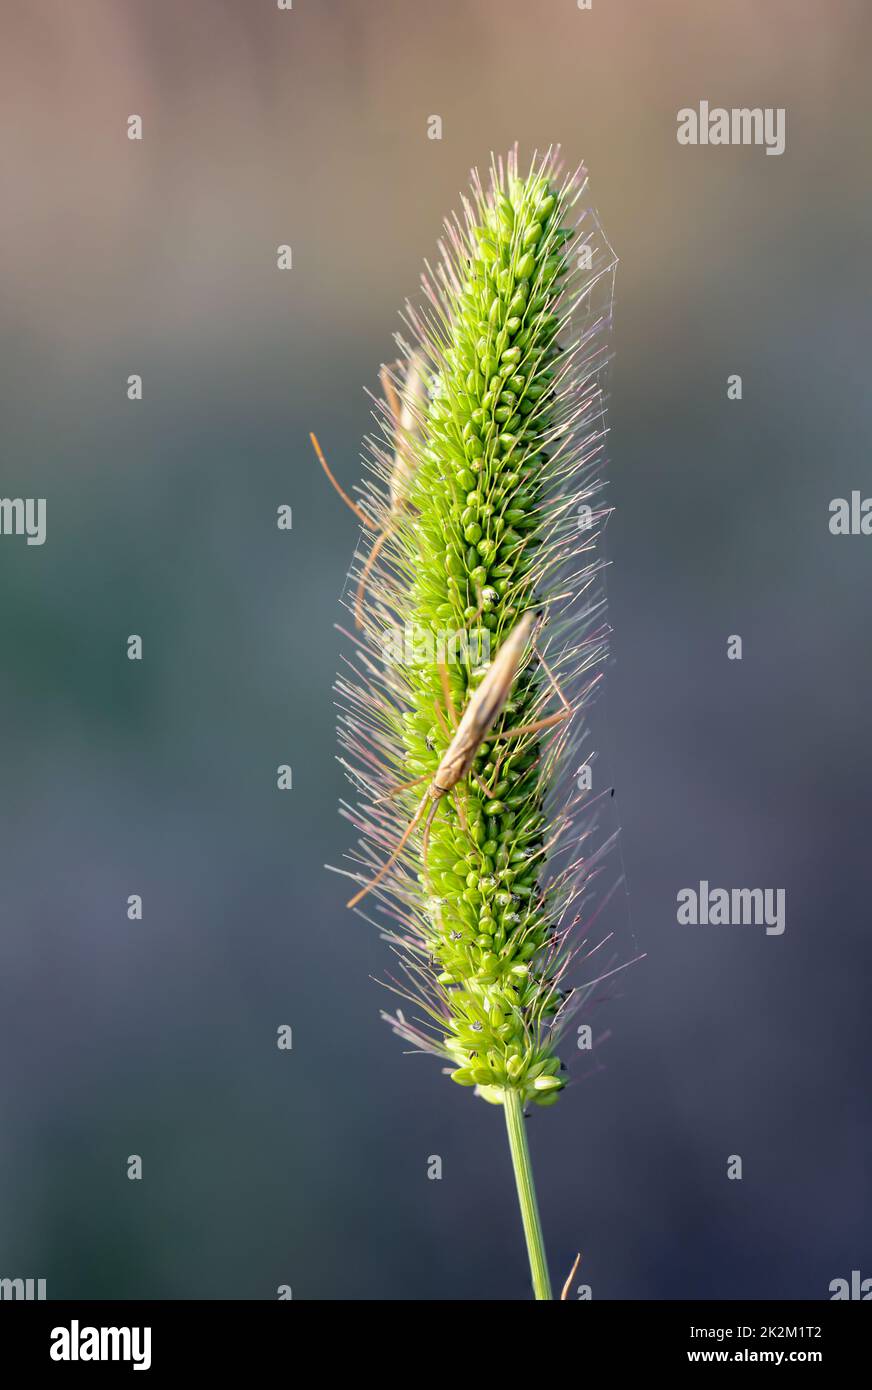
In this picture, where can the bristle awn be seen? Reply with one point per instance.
(481, 642)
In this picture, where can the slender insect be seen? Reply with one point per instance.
(406, 410)
(478, 718)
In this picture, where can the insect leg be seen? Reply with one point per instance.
(426, 843)
(401, 787)
(550, 720)
(475, 777)
(365, 573)
(537, 724)
(553, 681)
(352, 902)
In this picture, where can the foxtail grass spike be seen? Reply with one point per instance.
(481, 638)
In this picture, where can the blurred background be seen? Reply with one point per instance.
(158, 1038)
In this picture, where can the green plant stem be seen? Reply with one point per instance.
(516, 1126)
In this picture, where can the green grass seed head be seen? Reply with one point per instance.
(501, 456)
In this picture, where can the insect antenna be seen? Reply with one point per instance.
(358, 511)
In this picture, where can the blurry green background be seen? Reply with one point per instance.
(308, 127)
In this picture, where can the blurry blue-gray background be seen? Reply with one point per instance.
(309, 127)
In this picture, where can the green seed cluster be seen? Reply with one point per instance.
(481, 515)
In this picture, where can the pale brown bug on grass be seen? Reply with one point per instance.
(405, 409)
(478, 718)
